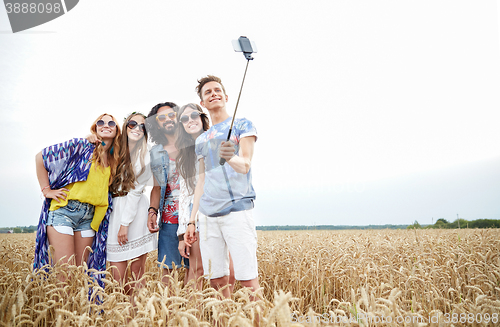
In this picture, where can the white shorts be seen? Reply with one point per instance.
(234, 232)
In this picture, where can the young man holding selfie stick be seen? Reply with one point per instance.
(224, 194)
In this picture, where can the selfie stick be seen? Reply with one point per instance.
(242, 45)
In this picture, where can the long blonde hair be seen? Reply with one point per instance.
(112, 152)
(125, 177)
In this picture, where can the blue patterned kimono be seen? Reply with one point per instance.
(67, 163)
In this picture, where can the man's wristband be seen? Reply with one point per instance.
(181, 237)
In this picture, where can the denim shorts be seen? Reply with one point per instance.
(168, 247)
(75, 215)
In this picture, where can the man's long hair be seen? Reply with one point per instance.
(157, 135)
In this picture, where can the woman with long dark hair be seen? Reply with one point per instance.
(192, 123)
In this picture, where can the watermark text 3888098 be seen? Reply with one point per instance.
(25, 14)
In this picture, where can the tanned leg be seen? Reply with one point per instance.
(81, 251)
(232, 280)
(64, 248)
(196, 265)
(119, 271)
(138, 268)
(253, 284)
(218, 283)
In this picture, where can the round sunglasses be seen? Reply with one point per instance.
(194, 115)
(162, 118)
(133, 124)
(101, 123)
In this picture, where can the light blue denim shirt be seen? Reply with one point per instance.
(159, 166)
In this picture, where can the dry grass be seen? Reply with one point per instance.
(314, 276)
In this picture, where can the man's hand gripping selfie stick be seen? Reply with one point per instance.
(244, 45)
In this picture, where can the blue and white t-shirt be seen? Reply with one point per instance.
(225, 190)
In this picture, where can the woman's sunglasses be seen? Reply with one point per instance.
(101, 123)
(162, 118)
(133, 124)
(194, 115)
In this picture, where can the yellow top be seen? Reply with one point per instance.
(93, 191)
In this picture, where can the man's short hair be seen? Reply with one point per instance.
(205, 80)
(157, 135)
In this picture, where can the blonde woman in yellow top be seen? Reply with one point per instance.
(74, 177)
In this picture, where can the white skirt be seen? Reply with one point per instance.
(140, 240)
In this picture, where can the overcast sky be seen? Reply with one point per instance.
(368, 112)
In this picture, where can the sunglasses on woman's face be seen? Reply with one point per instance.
(194, 115)
(133, 124)
(162, 118)
(101, 123)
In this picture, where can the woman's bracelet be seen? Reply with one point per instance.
(154, 209)
(191, 223)
(43, 189)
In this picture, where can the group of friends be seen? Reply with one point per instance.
(199, 212)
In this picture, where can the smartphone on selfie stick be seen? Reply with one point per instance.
(243, 44)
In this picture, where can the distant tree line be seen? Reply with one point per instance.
(442, 223)
(329, 227)
(19, 229)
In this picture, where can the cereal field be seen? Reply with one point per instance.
(346, 278)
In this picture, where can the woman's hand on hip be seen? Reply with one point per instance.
(59, 194)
